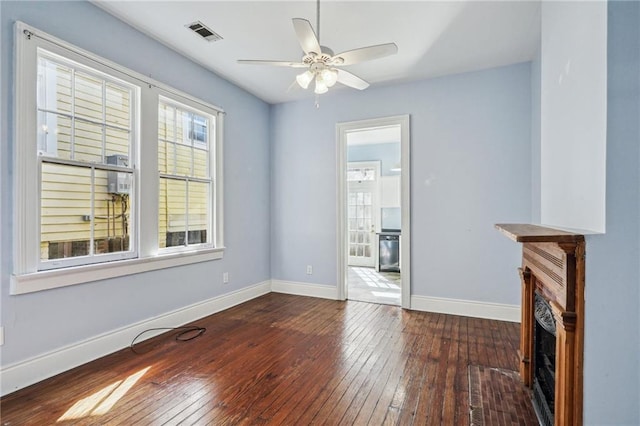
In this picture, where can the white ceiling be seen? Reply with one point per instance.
(434, 38)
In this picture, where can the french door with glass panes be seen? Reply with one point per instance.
(363, 180)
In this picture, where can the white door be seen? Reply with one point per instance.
(363, 180)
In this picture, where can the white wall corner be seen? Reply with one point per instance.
(33, 370)
(467, 308)
(305, 289)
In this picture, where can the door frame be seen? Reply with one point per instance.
(342, 129)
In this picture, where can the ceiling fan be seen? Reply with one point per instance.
(322, 66)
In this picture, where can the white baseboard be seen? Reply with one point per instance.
(467, 308)
(33, 370)
(305, 289)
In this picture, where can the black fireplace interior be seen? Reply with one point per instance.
(544, 362)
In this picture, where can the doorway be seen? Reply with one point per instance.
(373, 211)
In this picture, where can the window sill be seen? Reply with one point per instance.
(46, 280)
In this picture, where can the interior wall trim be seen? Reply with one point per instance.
(305, 289)
(467, 308)
(33, 370)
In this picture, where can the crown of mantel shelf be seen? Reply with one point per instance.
(527, 233)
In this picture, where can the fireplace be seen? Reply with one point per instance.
(552, 320)
(544, 361)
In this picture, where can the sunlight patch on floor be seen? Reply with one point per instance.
(100, 402)
(365, 284)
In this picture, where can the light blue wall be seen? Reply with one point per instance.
(612, 341)
(470, 149)
(535, 139)
(40, 322)
(573, 114)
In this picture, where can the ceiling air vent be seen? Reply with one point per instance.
(204, 32)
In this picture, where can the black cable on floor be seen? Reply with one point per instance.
(191, 332)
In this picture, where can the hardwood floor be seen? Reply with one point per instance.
(282, 359)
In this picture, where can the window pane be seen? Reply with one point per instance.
(111, 213)
(118, 106)
(165, 156)
(88, 97)
(183, 125)
(67, 218)
(117, 142)
(200, 163)
(54, 135)
(88, 142)
(198, 212)
(367, 212)
(352, 212)
(199, 131)
(65, 211)
(173, 194)
(166, 122)
(171, 157)
(54, 86)
(183, 160)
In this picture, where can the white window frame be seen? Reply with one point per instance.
(27, 275)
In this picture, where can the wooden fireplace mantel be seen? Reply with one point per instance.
(553, 266)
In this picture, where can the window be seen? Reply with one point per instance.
(185, 183)
(87, 169)
(85, 121)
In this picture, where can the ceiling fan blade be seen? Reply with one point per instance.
(273, 63)
(351, 80)
(293, 87)
(366, 54)
(306, 36)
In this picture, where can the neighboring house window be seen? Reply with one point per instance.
(92, 188)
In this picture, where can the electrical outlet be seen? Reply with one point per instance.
(1, 336)
(225, 277)
(309, 269)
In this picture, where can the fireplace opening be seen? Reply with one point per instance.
(544, 361)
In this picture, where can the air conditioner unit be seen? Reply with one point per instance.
(117, 182)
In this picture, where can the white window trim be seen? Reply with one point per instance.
(26, 278)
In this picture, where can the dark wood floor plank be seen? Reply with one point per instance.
(345, 363)
(282, 359)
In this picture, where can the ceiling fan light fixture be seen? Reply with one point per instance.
(321, 86)
(304, 79)
(329, 76)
